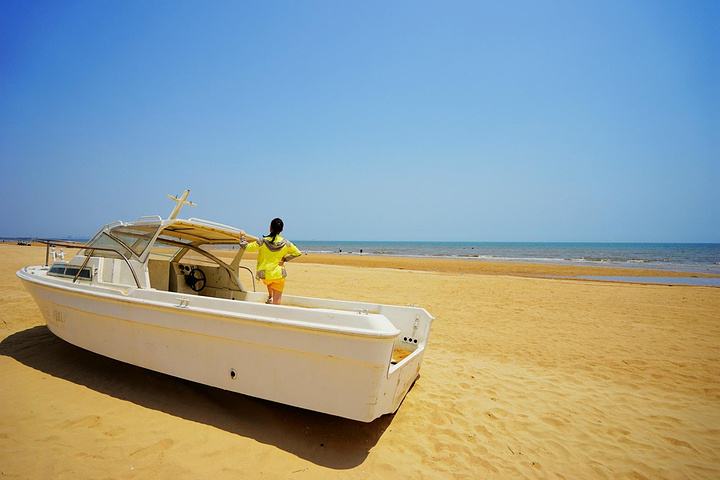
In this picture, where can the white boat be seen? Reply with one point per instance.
(163, 294)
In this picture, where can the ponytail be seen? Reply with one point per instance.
(276, 227)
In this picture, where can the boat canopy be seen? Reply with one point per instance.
(201, 232)
(135, 239)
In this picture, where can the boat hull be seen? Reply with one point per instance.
(340, 374)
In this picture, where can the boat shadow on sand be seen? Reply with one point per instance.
(325, 440)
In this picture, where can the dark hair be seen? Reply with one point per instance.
(276, 226)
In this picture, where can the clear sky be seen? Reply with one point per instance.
(502, 121)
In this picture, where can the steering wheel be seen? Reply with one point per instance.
(195, 279)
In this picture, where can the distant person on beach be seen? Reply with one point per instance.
(273, 251)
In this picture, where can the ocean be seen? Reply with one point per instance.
(688, 257)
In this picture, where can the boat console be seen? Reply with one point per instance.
(205, 280)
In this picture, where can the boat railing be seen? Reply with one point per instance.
(82, 246)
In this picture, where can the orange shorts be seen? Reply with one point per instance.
(278, 284)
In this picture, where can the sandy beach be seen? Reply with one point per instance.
(524, 377)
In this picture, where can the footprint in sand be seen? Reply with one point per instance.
(155, 448)
(554, 421)
(85, 455)
(497, 413)
(482, 430)
(88, 421)
(665, 420)
(618, 431)
(114, 432)
(680, 443)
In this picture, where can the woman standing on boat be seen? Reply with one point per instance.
(273, 251)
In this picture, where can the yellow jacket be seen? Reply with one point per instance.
(270, 254)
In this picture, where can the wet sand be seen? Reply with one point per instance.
(524, 378)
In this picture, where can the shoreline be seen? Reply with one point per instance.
(631, 265)
(491, 267)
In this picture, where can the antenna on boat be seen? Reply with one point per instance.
(180, 202)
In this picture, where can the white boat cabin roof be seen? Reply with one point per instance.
(137, 238)
(202, 232)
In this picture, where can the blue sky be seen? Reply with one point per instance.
(504, 121)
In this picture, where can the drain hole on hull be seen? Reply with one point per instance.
(232, 373)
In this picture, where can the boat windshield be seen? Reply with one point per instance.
(135, 237)
(163, 250)
(104, 241)
(124, 239)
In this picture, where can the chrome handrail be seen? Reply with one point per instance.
(252, 276)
